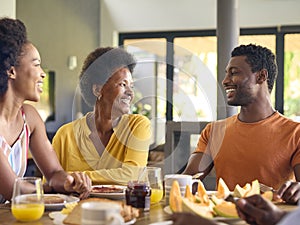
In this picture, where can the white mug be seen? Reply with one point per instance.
(101, 213)
(182, 179)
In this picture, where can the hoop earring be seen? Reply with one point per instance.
(99, 97)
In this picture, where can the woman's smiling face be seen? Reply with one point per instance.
(27, 81)
(118, 92)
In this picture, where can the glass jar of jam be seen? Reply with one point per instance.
(138, 195)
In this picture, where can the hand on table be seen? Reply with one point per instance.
(258, 211)
(289, 192)
(78, 182)
(191, 219)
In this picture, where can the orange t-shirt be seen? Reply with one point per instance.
(266, 150)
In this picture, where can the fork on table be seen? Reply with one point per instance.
(264, 188)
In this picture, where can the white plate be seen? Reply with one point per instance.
(58, 218)
(110, 195)
(167, 210)
(211, 192)
(168, 222)
(131, 222)
(59, 206)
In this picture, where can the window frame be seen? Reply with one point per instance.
(279, 32)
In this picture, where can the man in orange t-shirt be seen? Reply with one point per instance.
(258, 142)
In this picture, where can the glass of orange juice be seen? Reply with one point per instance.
(156, 184)
(28, 199)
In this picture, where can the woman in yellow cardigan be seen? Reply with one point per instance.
(108, 144)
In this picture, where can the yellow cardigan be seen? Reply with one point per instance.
(124, 156)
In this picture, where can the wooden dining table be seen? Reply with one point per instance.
(157, 213)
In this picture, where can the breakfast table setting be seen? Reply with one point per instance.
(53, 213)
(156, 215)
(138, 203)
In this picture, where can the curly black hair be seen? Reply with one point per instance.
(13, 36)
(99, 66)
(259, 58)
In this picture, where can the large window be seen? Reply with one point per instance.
(292, 76)
(150, 82)
(184, 68)
(196, 59)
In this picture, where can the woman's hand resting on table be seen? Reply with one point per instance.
(78, 182)
(256, 210)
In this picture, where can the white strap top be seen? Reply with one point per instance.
(17, 153)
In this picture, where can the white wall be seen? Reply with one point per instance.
(59, 29)
(8, 8)
(168, 15)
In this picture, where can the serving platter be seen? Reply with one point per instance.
(168, 210)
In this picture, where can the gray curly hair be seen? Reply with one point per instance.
(99, 66)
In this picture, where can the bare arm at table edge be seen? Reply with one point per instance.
(41, 149)
(46, 159)
(194, 166)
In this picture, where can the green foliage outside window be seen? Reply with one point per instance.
(291, 84)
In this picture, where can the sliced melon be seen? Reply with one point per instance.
(197, 199)
(202, 194)
(211, 206)
(247, 187)
(255, 189)
(198, 209)
(238, 191)
(216, 200)
(268, 195)
(175, 198)
(222, 189)
(188, 194)
(226, 209)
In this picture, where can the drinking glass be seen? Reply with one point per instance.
(28, 200)
(156, 184)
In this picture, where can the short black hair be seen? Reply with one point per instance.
(13, 36)
(259, 58)
(99, 66)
